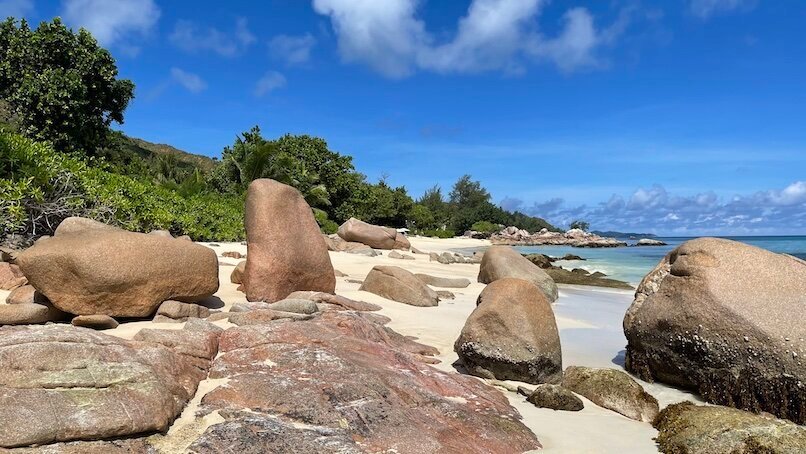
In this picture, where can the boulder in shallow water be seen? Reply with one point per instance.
(689, 428)
(512, 335)
(285, 248)
(503, 261)
(725, 319)
(612, 389)
(118, 273)
(399, 285)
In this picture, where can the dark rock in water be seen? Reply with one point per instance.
(569, 257)
(725, 319)
(399, 285)
(689, 428)
(541, 260)
(555, 397)
(511, 335)
(63, 383)
(98, 322)
(612, 389)
(503, 261)
(582, 277)
(340, 381)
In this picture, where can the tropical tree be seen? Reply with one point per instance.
(579, 224)
(60, 86)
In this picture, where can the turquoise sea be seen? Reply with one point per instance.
(631, 264)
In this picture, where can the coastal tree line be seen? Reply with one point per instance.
(59, 95)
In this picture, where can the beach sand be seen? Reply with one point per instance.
(589, 320)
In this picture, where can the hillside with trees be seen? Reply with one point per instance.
(59, 95)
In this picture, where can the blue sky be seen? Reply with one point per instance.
(679, 117)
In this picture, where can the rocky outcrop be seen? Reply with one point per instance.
(689, 428)
(340, 383)
(75, 224)
(512, 335)
(512, 236)
(649, 242)
(612, 389)
(444, 282)
(118, 273)
(354, 230)
(399, 285)
(578, 276)
(285, 249)
(503, 261)
(62, 383)
(178, 310)
(11, 276)
(554, 397)
(722, 318)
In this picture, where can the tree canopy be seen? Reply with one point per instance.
(59, 85)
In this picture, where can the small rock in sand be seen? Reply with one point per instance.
(29, 313)
(555, 397)
(612, 389)
(98, 322)
(180, 311)
(445, 282)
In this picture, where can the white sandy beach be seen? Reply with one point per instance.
(589, 320)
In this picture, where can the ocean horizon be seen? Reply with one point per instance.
(631, 264)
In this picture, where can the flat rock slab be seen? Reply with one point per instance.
(399, 285)
(341, 383)
(445, 282)
(63, 383)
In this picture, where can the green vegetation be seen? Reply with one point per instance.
(60, 86)
(580, 224)
(485, 227)
(59, 94)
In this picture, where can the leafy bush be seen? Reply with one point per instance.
(39, 187)
(325, 225)
(485, 227)
(438, 233)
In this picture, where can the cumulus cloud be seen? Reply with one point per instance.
(15, 8)
(270, 81)
(193, 38)
(113, 22)
(494, 35)
(191, 82)
(293, 50)
(656, 209)
(707, 8)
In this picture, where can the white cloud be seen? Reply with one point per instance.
(271, 81)
(15, 8)
(112, 22)
(293, 50)
(707, 8)
(494, 35)
(192, 82)
(656, 209)
(190, 37)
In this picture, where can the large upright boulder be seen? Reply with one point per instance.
(118, 273)
(725, 319)
(285, 249)
(372, 235)
(504, 261)
(512, 335)
(399, 285)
